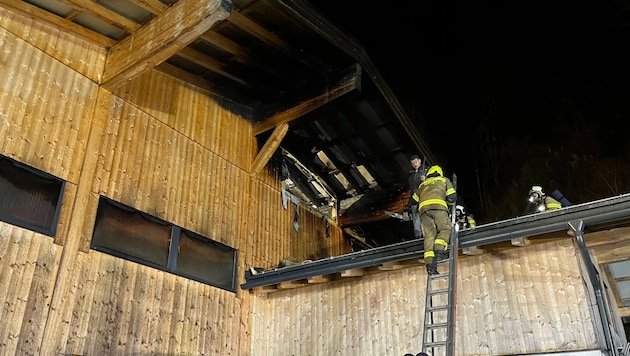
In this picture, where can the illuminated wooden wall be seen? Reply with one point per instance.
(156, 144)
(526, 300)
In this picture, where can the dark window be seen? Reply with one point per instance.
(29, 198)
(134, 235)
(206, 259)
(131, 233)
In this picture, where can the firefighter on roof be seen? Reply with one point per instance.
(541, 201)
(434, 196)
(463, 219)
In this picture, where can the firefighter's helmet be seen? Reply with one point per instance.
(435, 169)
(536, 194)
(459, 211)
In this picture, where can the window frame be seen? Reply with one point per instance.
(174, 241)
(52, 231)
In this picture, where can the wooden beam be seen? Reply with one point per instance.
(292, 284)
(209, 63)
(227, 45)
(347, 84)
(240, 53)
(320, 279)
(615, 252)
(64, 25)
(161, 38)
(105, 14)
(606, 237)
(269, 148)
(153, 6)
(188, 77)
(373, 214)
(248, 25)
(355, 272)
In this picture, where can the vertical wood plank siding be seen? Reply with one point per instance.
(500, 309)
(83, 57)
(159, 145)
(28, 263)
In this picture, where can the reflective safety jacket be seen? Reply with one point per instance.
(551, 203)
(466, 222)
(435, 193)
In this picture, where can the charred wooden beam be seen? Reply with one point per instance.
(349, 82)
(374, 212)
(269, 148)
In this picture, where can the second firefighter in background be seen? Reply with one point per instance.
(434, 196)
(463, 219)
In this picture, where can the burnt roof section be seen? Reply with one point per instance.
(271, 56)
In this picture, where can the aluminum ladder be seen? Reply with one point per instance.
(438, 334)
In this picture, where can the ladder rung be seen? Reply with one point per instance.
(438, 276)
(434, 344)
(438, 308)
(438, 291)
(436, 326)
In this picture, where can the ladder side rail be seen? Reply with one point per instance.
(452, 283)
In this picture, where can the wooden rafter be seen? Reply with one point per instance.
(250, 26)
(65, 25)
(227, 45)
(153, 6)
(209, 63)
(253, 28)
(109, 16)
(347, 84)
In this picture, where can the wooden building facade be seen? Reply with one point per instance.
(175, 152)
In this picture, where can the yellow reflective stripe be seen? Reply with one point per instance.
(428, 254)
(432, 180)
(554, 206)
(441, 242)
(472, 222)
(450, 191)
(415, 197)
(433, 201)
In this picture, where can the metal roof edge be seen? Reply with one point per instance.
(596, 212)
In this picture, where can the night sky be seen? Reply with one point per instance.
(508, 95)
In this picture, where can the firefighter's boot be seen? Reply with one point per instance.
(441, 255)
(432, 267)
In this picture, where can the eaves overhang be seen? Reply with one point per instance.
(319, 24)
